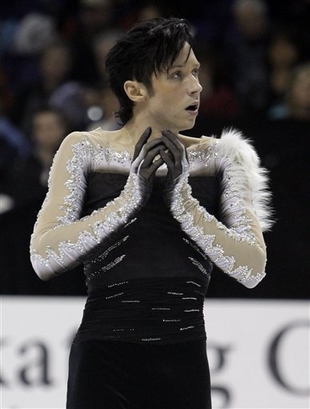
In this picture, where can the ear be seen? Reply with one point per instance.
(135, 90)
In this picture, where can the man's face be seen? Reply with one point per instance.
(174, 101)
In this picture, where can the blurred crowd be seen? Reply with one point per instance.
(255, 57)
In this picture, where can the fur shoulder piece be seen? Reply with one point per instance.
(248, 174)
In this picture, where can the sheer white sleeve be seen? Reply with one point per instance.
(235, 244)
(61, 238)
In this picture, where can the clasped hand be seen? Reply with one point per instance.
(149, 156)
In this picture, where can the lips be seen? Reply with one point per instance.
(193, 107)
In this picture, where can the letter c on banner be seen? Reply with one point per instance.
(274, 357)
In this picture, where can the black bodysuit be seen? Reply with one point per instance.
(146, 285)
(148, 281)
(142, 340)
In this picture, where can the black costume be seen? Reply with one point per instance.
(142, 341)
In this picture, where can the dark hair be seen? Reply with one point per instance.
(148, 48)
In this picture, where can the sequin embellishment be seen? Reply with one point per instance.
(235, 215)
(98, 225)
(155, 310)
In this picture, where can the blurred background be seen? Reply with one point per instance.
(255, 57)
(255, 73)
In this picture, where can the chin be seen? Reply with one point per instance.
(187, 127)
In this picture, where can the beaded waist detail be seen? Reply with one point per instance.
(146, 310)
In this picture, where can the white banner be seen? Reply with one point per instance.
(258, 352)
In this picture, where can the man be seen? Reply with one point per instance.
(125, 204)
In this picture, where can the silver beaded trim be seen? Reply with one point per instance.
(88, 157)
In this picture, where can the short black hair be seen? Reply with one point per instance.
(148, 48)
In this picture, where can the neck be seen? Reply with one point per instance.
(136, 126)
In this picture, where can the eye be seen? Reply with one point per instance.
(195, 72)
(176, 75)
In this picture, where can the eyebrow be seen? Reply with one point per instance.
(197, 64)
(177, 65)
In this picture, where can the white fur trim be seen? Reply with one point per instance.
(249, 175)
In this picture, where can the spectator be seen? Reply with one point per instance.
(93, 18)
(150, 9)
(108, 106)
(13, 144)
(296, 101)
(298, 93)
(283, 55)
(245, 50)
(25, 180)
(22, 189)
(217, 99)
(22, 39)
(101, 45)
(55, 69)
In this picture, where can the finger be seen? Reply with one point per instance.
(149, 151)
(146, 153)
(172, 138)
(156, 164)
(174, 141)
(149, 165)
(151, 154)
(167, 159)
(142, 141)
(176, 152)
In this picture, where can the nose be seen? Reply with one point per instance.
(194, 86)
